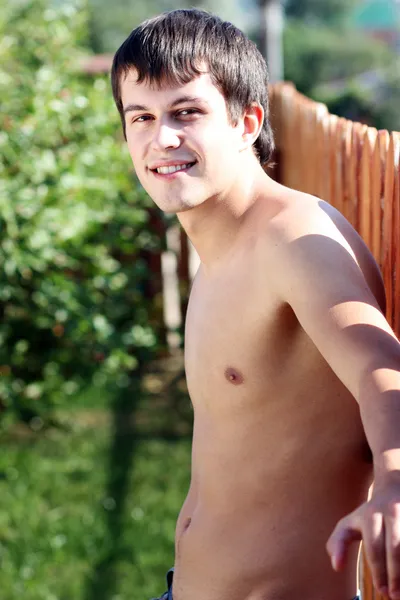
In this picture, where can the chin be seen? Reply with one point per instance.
(175, 208)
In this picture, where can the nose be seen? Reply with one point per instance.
(165, 137)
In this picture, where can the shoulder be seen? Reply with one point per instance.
(310, 234)
(305, 225)
(304, 215)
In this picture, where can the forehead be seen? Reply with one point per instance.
(155, 96)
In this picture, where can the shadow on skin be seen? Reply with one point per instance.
(360, 249)
(322, 252)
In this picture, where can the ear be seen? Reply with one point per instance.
(251, 124)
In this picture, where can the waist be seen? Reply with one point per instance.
(276, 487)
(252, 555)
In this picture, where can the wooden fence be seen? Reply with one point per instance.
(356, 169)
(353, 167)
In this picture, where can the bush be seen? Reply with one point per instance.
(73, 220)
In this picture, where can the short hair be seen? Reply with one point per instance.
(172, 48)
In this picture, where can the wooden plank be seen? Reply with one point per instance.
(396, 237)
(365, 184)
(387, 245)
(308, 147)
(322, 165)
(377, 191)
(291, 139)
(298, 133)
(330, 158)
(339, 176)
(312, 172)
(347, 170)
(354, 165)
(367, 588)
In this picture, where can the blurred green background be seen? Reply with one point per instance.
(95, 420)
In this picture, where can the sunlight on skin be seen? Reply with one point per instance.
(352, 313)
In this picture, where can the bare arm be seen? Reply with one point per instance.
(317, 275)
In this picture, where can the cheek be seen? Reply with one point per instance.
(133, 151)
(225, 149)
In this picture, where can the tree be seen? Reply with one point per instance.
(325, 57)
(73, 221)
(316, 55)
(329, 12)
(111, 22)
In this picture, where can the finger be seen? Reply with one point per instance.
(345, 533)
(392, 534)
(375, 550)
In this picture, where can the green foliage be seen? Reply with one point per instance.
(331, 62)
(330, 12)
(353, 103)
(88, 512)
(387, 104)
(376, 108)
(73, 221)
(317, 55)
(111, 22)
(59, 539)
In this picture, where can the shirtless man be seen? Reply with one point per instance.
(292, 369)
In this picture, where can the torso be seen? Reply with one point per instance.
(279, 453)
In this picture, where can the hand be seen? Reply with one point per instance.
(377, 524)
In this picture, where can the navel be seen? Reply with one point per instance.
(234, 376)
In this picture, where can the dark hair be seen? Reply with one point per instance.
(172, 49)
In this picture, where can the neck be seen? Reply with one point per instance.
(214, 226)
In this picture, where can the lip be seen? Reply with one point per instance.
(165, 176)
(171, 163)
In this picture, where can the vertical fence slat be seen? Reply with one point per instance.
(396, 236)
(322, 159)
(377, 190)
(354, 175)
(387, 248)
(288, 147)
(301, 143)
(348, 170)
(338, 166)
(310, 119)
(365, 189)
(367, 589)
(330, 174)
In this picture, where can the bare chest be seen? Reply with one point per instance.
(237, 336)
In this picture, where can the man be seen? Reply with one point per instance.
(292, 369)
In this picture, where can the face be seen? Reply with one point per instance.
(182, 145)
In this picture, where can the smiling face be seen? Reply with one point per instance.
(182, 145)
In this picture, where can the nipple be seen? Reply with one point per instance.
(234, 376)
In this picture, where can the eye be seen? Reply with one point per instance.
(141, 119)
(187, 112)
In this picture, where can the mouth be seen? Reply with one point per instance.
(173, 169)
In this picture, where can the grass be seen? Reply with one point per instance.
(88, 512)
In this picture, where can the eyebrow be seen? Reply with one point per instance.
(181, 100)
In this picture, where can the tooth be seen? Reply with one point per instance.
(172, 169)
